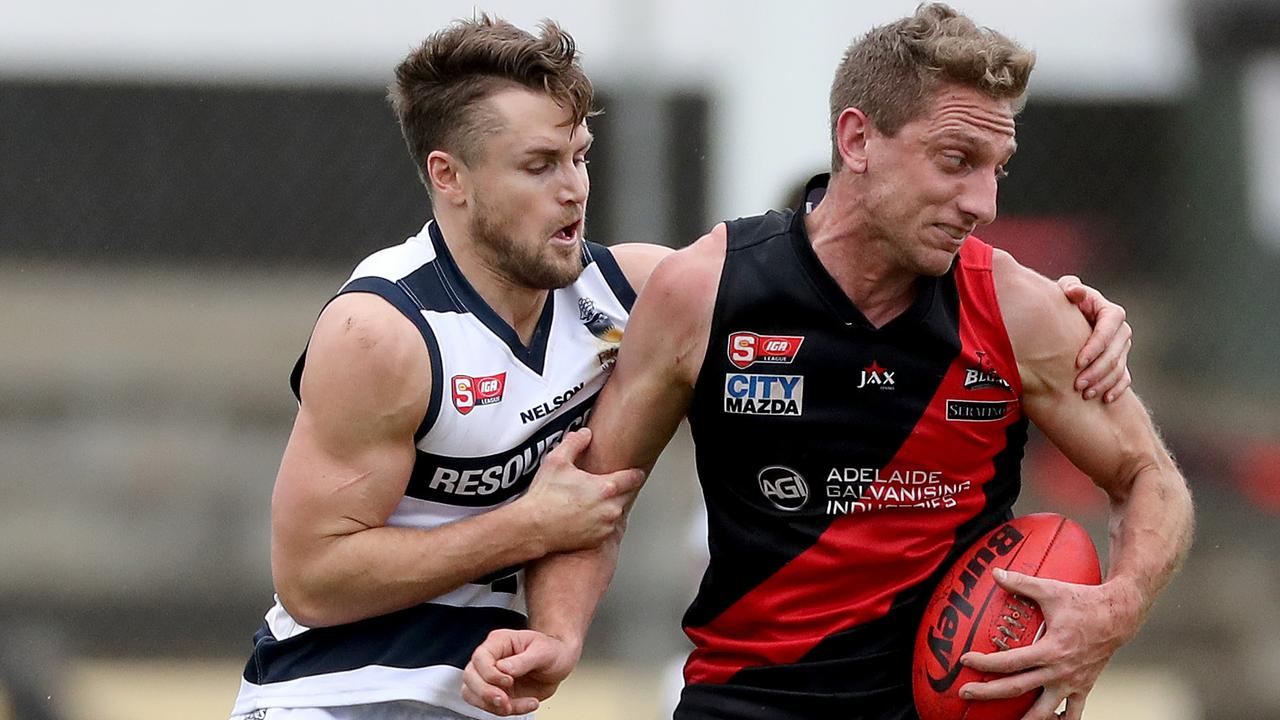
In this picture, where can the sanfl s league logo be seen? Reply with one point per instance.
(876, 376)
(748, 348)
(468, 391)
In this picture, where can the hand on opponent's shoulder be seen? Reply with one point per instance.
(1028, 299)
(1045, 328)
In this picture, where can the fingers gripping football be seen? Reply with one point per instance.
(1082, 630)
(984, 651)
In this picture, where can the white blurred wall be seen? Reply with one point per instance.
(768, 64)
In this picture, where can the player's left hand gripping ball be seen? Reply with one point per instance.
(970, 612)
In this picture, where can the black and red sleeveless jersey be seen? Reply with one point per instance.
(843, 465)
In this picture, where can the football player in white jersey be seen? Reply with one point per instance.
(495, 120)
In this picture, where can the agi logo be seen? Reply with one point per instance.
(783, 487)
(748, 348)
(468, 392)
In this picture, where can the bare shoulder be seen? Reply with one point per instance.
(366, 362)
(1108, 441)
(638, 260)
(1044, 328)
(687, 280)
(672, 317)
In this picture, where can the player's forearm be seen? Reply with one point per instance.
(372, 572)
(563, 590)
(1151, 528)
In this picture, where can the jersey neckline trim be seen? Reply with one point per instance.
(827, 287)
(534, 355)
(612, 272)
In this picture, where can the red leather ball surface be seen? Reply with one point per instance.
(969, 612)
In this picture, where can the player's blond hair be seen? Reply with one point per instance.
(893, 72)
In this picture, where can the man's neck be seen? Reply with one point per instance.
(517, 305)
(860, 263)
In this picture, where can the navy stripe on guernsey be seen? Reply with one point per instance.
(496, 408)
(491, 479)
(439, 287)
(599, 254)
(534, 354)
(415, 637)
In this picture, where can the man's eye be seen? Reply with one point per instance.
(1001, 173)
(581, 161)
(538, 169)
(954, 160)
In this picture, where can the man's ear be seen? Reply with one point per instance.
(447, 175)
(852, 130)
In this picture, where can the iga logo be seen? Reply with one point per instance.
(468, 392)
(748, 348)
(876, 376)
(783, 487)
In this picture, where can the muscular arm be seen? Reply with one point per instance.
(1118, 447)
(334, 560)
(636, 415)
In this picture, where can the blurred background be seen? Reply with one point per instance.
(183, 185)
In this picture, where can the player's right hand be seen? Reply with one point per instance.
(513, 670)
(574, 509)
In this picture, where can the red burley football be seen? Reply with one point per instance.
(968, 611)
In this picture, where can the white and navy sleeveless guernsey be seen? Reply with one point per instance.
(497, 407)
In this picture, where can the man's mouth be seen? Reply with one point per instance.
(956, 233)
(569, 232)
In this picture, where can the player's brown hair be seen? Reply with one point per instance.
(439, 90)
(893, 71)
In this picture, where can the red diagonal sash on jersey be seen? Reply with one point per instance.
(861, 563)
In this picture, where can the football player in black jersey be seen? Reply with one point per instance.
(922, 125)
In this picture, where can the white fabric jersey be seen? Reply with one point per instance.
(497, 407)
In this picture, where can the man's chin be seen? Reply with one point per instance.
(936, 266)
(555, 276)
